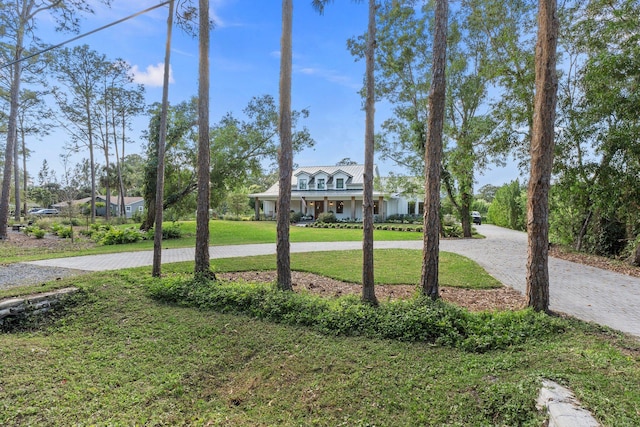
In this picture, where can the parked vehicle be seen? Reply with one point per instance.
(477, 218)
(43, 212)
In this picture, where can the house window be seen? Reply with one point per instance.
(340, 183)
(320, 185)
(128, 208)
(302, 184)
(340, 206)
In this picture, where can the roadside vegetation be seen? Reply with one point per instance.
(120, 357)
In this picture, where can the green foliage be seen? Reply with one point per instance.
(171, 231)
(117, 236)
(295, 217)
(238, 203)
(61, 231)
(419, 319)
(34, 230)
(116, 348)
(452, 230)
(508, 208)
(327, 218)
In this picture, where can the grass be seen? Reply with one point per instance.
(221, 233)
(120, 358)
(392, 266)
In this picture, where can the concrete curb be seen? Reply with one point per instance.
(563, 408)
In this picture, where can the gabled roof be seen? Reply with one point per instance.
(354, 172)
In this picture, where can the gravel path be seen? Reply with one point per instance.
(21, 274)
(588, 293)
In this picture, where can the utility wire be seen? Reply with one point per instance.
(87, 34)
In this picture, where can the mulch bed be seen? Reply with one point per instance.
(474, 300)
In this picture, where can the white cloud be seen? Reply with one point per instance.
(329, 75)
(152, 76)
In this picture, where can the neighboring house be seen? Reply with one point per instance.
(337, 189)
(131, 205)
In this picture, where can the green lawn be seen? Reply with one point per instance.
(120, 358)
(392, 266)
(221, 233)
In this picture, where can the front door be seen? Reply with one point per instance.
(319, 208)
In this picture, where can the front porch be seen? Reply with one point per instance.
(345, 209)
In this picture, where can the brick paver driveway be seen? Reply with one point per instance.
(585, 292)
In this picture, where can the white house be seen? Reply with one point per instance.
(337, 189)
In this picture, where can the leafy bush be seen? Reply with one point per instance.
(34, 230)
(508, 208)
(327, 217)
(295, 216)
(453, 230)
(172, 231)
(419, 319)
(115, 236)
(61, 230)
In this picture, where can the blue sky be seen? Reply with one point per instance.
(244, 57)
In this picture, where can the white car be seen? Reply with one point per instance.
(477, 218)
(42, 212)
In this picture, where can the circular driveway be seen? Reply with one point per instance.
(585, 292)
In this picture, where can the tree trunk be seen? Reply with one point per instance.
(583, 231)
(16, 178)
(25, 176)
(91, 160)
(107, 187)
(636, 258)
(16, 71)
(157, 238)
(202, 265)
(433, 156)
(542, 146)
(368, 283)
(285, 158)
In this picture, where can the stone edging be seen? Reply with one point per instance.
(562, 407)
(30, 305)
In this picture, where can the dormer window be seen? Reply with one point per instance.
(320, 184)
(302, 184)
(340, 183)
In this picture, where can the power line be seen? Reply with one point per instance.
(87, 34)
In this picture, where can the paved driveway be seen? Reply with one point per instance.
(588, 293)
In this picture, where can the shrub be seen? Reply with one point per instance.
(295, 216)
(454, 230)
(327, 217)
(116, 236)
(172, 231)
(61, 230)
(417, 320)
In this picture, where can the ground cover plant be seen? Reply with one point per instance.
(118, 357)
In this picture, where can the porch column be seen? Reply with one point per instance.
(256, 208)
(353, 207)
(303, 206)
(381, 208)
(416, 208)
